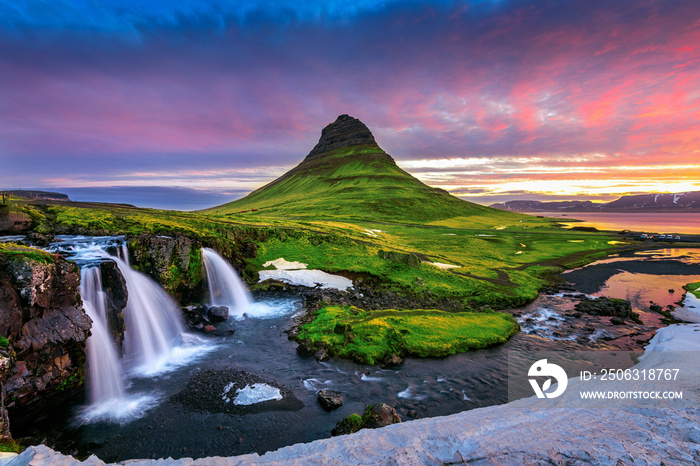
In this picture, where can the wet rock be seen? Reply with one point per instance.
(330, 399)
(210, 329)
(392, 361)
(41, 314)
(608, 307)
(217, 313)
(373, 417)
(116, 296)
(38, 239)
(321, 354)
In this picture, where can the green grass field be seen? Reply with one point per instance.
(371, 336)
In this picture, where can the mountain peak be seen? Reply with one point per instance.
(343, 132)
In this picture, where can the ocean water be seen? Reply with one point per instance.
(680, 223)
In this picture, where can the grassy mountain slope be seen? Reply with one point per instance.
(353, 179)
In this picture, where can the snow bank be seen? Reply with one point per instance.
(282, 264)
(310, 278)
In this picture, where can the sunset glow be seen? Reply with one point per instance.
(491, 100)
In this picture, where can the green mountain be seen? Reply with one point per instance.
(347, 175)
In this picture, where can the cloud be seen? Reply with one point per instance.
(459, 92)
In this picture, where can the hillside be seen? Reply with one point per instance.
(347, 175)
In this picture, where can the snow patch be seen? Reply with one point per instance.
(258, 393)
(282, 264)
(440, 265)
(308, 278)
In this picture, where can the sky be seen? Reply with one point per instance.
(189, 104)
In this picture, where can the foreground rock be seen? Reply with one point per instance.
(619, 309)
(41, 315)
(375, 416)
(522, 432)
(330, 399)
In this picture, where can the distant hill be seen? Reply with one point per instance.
(348, 175)
(667, 202)
(37, 195)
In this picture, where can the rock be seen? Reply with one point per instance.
(374, 416)
(210, 329)
(116, 296)
(409, 259)
(42, 316)
(392, 361)
(343, 132)
(38, 239)
(608, 307)
(330, 399)
(321, 354)
(217, 313)
(379, 415)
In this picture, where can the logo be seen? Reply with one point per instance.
(543, 369)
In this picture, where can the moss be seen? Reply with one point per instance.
(693, 288)
(372, 336)
(10, 446)
(18, 250)
(4, 342)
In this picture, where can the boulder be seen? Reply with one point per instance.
(217, 313)
(116, 296)
(374, 416)
(330, 399)
(379, 415)
(38, 239)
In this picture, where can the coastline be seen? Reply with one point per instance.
(521, 431)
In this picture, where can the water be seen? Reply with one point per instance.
(225, 287)
(105, 379)
(154, 322)
(682, 223)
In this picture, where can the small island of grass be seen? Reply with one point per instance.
(374, 336)
(693, 288)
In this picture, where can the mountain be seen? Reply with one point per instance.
(347, 175)
(37, 195)
(539, 206)
(666, 202)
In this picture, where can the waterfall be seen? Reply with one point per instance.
(153, 321)
(104, 369)
(225, 287)
(123, 253)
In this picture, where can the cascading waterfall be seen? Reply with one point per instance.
(225, 287)
(105, 378)
(153, 322)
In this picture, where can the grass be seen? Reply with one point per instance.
(10, 446)
(18, 250)
(693, 288)
(371, 336)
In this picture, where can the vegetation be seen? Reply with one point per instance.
(10, 446)
(693, 288)
(13, 249)
(372, 336)
(4, 342)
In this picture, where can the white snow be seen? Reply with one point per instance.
(282, 264)
(258, 393)
(691, 309)
(310, 278)
(440, 265)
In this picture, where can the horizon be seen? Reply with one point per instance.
(190, 105)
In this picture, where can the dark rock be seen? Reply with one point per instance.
(348, 425)
(379, 415)
(217, 313)
(392, 361)
(608, 307)
(321, 354)
(38, 239)
(617, 321)
(343, 132)
(41, 314)
(408, 259)
(374, 416)
(210, 329)
(116, 296)
(330, 399)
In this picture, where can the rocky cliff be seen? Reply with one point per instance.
(42, 318)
